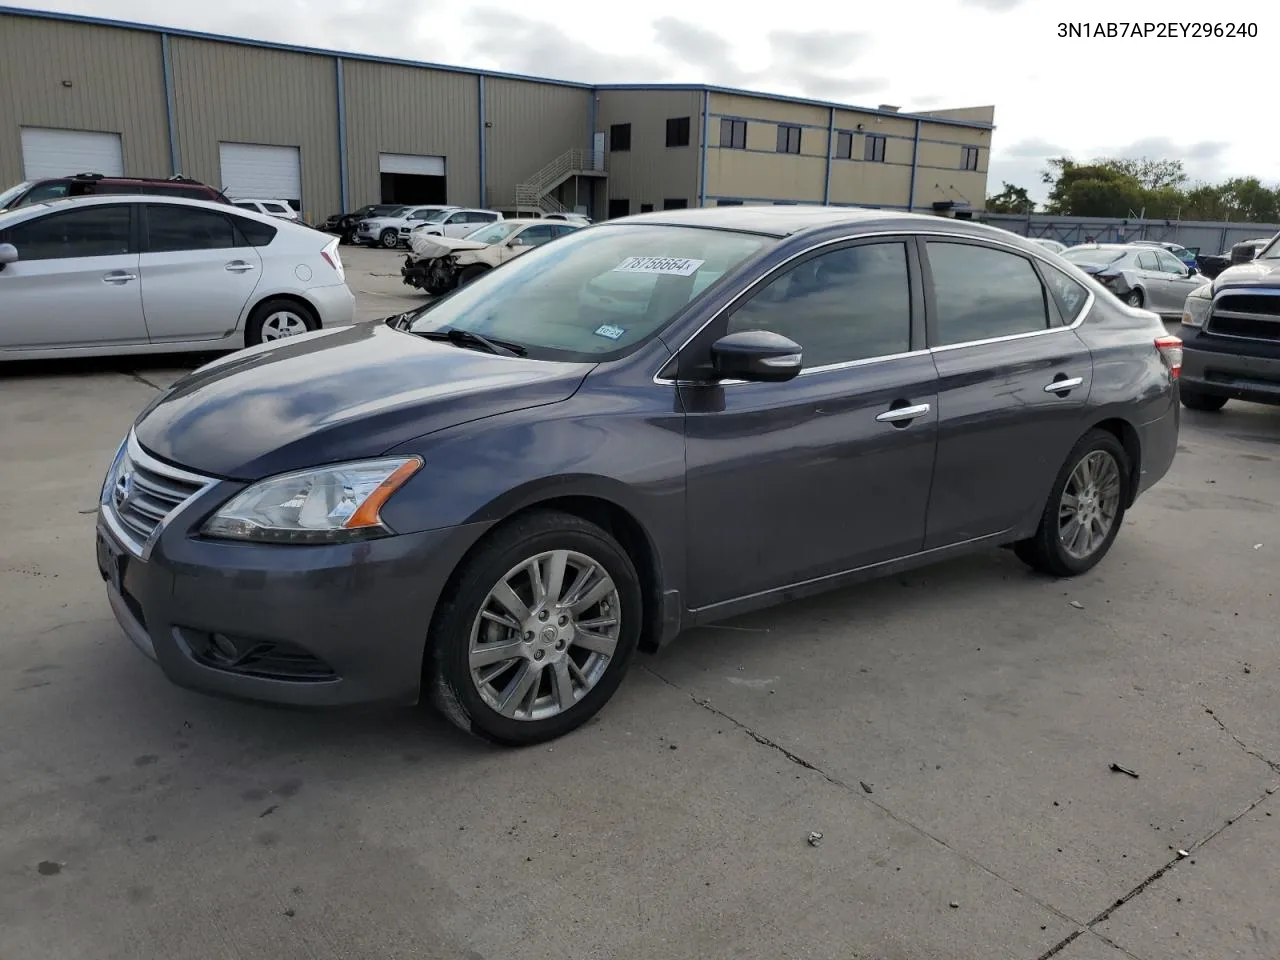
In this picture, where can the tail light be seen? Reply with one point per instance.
(334, 259)
(1170, 350)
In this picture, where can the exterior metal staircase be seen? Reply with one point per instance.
(535, 192)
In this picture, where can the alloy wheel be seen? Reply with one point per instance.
(1090, 504)
(282, 324)
(545, 635)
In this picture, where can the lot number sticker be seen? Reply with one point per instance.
(663, 266)
(611, 331)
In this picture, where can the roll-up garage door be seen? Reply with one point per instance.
(261, 171)
(47, 152)
(407, 163)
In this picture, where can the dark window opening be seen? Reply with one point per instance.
(675, 203)
(874, 149)
(678, 132)
(733, 134)
(788, 139)
(620, 137)
(412, 188)
(619, 207)
(844, 146)
(728, 203)
(646, 208)
(969, 158)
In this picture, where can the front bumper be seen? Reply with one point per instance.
(1232, 368)
(314, 626)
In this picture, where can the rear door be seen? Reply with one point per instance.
(198, 273)
(1013, 380)
(75, 283)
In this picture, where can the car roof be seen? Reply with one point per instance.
(97, 199)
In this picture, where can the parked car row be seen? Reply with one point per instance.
(391, 225)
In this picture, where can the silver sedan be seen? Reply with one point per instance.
(1141, 276)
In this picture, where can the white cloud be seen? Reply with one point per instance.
(1174, 98)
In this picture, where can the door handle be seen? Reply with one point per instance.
(119, 277)
(902, 414)
(1063, 385)
(239, 266)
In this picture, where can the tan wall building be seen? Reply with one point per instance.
(339, 130)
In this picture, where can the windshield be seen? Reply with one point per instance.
(435, 216)
(1272, 252)
(1093, 258)
(13, 193)
(594, 294)
(494, 232)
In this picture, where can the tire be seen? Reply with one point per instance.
(1047, 551)
(272, 318)
(390, 239)
(470, 273)
(591, 675)
(1134, 298)
(1205, 402)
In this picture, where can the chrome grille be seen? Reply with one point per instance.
(1247, 315)
(141, 493)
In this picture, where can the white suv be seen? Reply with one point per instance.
(392, 230)
(116, 274)
(455, 222)
(272, 208)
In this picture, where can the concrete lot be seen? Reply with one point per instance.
(949, 733)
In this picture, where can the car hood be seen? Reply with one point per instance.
(336, 395)
(1256, 273)
(430, 246)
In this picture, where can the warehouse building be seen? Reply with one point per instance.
(333, 131)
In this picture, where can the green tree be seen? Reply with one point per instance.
(1248, 199)
(1010, 200)
(1150, 174)
(1206, 201)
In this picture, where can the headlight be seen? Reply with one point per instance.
(326, 505)
(1196, 309)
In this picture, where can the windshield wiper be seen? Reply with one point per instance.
(466, 338)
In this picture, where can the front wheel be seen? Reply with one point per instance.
(1085, 509)
(389, 239)
(1202, 401)
(538, 633)
(1134, 299)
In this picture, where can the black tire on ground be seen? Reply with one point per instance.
(470, 273)
(447, 673)
(390, 239)
(1134, 298)
(264, 310)
(1045, 551)
(1206, 402)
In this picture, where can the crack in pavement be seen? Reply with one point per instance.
(141, 379)
(1256, 754)
(861, 795)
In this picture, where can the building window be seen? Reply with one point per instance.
(620, 137)
(677, 131)
(788, 139)
(874, 150)
(675, 203)
(969, 158)
(646, 208)
(728, 203)
(619, 207)
(844, 145)
(733, 134)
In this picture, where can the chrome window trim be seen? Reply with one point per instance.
(141, 550)
(1091, 298)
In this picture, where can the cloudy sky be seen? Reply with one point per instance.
(1166, 98)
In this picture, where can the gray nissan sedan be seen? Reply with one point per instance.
(649, 424)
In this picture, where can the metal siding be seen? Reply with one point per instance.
(117, 81)
(235, 94)
(778, 176)
(877, 184)
(422, 112)
(768, 109)
(533, 124)
(650, 171)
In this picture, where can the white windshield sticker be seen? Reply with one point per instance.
(611, 331)
(666, 266)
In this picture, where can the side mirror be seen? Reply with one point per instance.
(8, 254)
(1192, 270)
(517, 242)
(756, 355)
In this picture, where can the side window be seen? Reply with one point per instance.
(274, 208)
(1067, 294)
(97, 231)
(843, 305)
(981, 293)
(537, 236)
(246, 205)
(174, 228)
(1169, 263)
(1147, 261)
(458, 218)
(252, 233)
(46, 191)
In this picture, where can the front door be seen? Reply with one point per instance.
(75, 283)
(1013, 379)
(197, 276)
(788, 482)
(1179, 282)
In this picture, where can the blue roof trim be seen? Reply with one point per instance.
(469, 71)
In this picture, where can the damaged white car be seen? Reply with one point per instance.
(438, 264)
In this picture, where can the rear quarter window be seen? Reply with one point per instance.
(255, 234)
(1069, 295)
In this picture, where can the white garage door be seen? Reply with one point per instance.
(407, 163)
(258, 170)
(59, 153)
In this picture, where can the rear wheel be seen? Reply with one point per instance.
(1085, 509)
(278, 320)
(538, 633)
(1134, 298)
(1202, 401)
